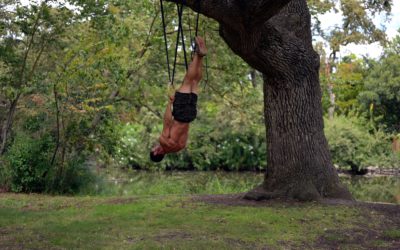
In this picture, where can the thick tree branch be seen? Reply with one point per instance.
(243, 14)
(223, 11)
(264, 10)
(30, 43)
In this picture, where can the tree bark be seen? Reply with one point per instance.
(332, 97)
(7, 124)
(274, 37)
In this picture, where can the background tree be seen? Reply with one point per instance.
(357, 27)
(381, 95)
(28, 34)
(349, 81)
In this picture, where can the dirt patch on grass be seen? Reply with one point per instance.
(180, 236)
(118, 201)
(386, 208)
(177, 235)
(389, 209)
(43, 203)
(237, 200)
(376, 221)
(241, 244)
(357, 238)
(39, 206)
(9, 239)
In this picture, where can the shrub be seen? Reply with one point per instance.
(206, 150)
(72, 178)
(27, 161)
(28, 167)
(228, 150)
(133, 146)
(352, 145)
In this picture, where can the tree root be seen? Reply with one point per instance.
(260, 193)
(303, 191)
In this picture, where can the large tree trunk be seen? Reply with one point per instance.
(299, 163)
(274, 37)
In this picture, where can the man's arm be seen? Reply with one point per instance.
(166, 142)
(169, 145)
(168, 120)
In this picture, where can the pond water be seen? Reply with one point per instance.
(128, 183)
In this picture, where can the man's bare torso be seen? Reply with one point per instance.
(178, 133)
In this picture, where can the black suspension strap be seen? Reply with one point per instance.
(198, 5)
(180, 35)
(205, 40)
(179, 32)
(190, 35)
(197, 17)
(192, 41)
(180, 12)
(165, 40)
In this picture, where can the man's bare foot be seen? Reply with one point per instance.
(200, 49)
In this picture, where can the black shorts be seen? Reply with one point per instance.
(185, 107)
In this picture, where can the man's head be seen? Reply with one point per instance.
(157, 153)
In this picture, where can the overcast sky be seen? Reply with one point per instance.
(373, 50)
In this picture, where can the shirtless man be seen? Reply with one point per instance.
(181, 108)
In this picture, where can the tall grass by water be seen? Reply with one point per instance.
(139, 183)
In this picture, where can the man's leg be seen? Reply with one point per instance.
(186, 86)
(195, 71)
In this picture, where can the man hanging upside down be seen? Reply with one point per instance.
(181, 108)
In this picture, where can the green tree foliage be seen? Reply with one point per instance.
(353, 146)
(357, 27)
(104, 69)
(85, 84)
(348, 82)
(32, 37)
(357, 24)
(382, 87)
(30, 33)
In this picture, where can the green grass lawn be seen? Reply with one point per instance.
(178, 222)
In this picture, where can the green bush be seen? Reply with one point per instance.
(206, 150)
(72, 178)
(352, 145)
(133, 146)
(228, 150)
(27, 167)
(27, 162)
(210, 147)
